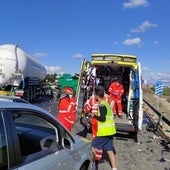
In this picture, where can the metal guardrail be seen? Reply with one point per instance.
(163, 117)
(157, 124)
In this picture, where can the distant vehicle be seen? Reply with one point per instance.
(12, 99)
(103, 69)
(31, 138)
(20, 73)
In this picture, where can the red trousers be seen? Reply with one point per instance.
(67, 120)
(117, 107)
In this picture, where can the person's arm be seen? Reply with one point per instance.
(88, 105)
(103, 112)
(110, 90)
(72, 106)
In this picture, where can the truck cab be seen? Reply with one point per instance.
(102, 69)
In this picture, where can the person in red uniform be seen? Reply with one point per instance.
(91, 106)
(116, 90)
(67, 108)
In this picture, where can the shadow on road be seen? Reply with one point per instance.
(83, 133)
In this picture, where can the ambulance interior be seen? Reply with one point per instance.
(106, 74)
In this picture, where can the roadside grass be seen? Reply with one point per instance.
(162, 102)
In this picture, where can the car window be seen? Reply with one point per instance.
(3, 146)
(30, 119)
(34, 132)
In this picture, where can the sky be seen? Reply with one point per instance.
(60, 33)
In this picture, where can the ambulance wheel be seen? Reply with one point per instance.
(134, 136)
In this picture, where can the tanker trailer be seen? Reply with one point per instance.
(20, 73)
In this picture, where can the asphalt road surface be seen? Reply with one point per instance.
(150, 153)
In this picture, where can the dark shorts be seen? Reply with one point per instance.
(103, 142)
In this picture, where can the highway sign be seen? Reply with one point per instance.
(159, 87)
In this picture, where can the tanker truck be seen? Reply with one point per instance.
(20, 73)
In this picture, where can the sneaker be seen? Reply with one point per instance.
(114, 115)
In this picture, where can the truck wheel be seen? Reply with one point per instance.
(34, 94)
(28, 95)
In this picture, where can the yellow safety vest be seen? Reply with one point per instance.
(106, 128)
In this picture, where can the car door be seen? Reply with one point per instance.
(64, 159)
(44, 143)
(3, 145)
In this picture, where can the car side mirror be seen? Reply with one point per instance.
(49, 142)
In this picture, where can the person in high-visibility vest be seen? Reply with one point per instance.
(92, 106)
(106, 129)
(67, 108)
(116, 91)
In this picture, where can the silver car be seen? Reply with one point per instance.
(32, 139)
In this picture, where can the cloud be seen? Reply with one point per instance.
(156, 42)
(135, 3)
(115, 43)
(152, 77)
(143, 27)
(133, 41)
(168, 61)
(145, 68)
(39, 54)
(54, 69)
(78, 56)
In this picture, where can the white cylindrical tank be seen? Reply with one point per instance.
(16, 64)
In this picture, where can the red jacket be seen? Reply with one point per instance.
(91, 105)
(116, 91)
(67, 112)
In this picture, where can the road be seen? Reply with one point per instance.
(147, 154)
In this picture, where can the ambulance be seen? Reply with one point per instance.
(103, 69)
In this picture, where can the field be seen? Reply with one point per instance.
(160, 102)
